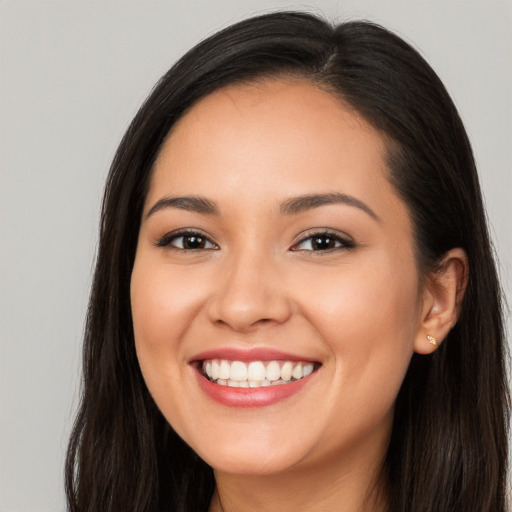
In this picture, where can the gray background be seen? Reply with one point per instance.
(72, 74)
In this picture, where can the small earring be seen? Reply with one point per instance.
(432, 340)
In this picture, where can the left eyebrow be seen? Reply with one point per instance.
(302, 203)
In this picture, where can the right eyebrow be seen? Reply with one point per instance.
(189, 203)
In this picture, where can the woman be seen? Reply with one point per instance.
(295, 304)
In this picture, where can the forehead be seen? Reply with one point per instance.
(281, 129)
(293, 110)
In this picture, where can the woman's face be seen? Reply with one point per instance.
(275, 255)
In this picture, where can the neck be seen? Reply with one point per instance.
(339, 486)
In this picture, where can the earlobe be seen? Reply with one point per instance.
(442, 298)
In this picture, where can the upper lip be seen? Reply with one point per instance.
(250, 354)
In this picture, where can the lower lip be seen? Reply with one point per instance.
(250, 397)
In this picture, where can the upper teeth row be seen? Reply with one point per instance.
(256, 370)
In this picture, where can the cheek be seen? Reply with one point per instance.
(368, 317)
(359, 299)
(163, 304)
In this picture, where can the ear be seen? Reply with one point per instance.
(442, 298)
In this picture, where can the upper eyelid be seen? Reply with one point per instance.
(323, 231)
(183, 232)
(346, 241)
(305, 235)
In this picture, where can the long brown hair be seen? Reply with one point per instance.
(448, 449)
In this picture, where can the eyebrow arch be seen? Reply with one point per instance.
(189, 203)
(302, 203)
(291, 206)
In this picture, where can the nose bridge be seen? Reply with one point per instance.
(249, 290)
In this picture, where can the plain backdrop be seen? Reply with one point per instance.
(72, 74)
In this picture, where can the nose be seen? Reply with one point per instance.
(249, 293)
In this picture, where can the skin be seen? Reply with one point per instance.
(359, 308)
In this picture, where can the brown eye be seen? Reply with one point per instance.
(189, 241)
(192, 242)
(320, 243)
(323, 242)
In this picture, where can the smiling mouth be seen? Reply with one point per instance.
(255, 374)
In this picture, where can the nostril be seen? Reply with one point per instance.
(243, 325)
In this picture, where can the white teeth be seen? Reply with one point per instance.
(256, 373)
(273, 372)
(215, 370)
(238, 371)
(224, 370)
(286, 371)
(297, 371)
(307, 369)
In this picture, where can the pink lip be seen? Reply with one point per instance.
(248, 397)
(253, 354)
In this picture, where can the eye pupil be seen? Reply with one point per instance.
(322, 242)
(193, 242)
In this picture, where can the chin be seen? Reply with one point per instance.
(251, 457)
(252, 465)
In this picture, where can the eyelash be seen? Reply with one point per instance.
(340, 243)
(167, 240)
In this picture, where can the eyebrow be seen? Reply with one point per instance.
(189, 203)
(291, 206)
(302, 203)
